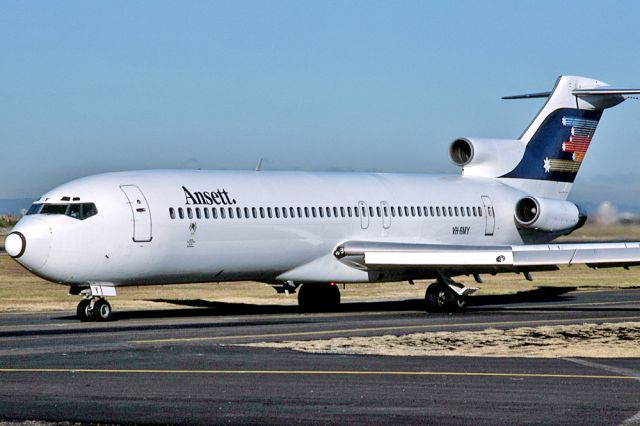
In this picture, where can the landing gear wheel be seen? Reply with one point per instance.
(440, 298)
(84, 311)
(458, 303)
(101, 310)
(319, 297)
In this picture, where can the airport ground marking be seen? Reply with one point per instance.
(378, 329)
(563, 305)
(314, 373)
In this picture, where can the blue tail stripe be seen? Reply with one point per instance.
(544, 158)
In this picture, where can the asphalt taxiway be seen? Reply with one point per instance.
(181, 366)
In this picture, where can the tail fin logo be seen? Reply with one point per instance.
(557, 149)
(582, 131)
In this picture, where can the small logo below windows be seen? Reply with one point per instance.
(192, 227)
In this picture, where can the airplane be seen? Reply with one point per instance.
(309, 231)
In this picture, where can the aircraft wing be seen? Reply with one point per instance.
(463, 260)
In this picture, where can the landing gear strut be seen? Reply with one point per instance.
(445, 295)
(319, 297)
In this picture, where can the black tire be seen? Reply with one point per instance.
(436, 298)
(83, 311)
(319, 297)
(306, 296)
(102, 310)
(456, 303)
(440, 298)
(331, 296)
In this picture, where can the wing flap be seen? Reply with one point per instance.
(475, 259)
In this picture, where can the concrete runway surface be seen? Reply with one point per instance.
(180, 366)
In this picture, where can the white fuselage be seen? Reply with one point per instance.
(133, 239)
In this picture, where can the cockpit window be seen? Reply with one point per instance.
(34, 209)
(88, 210)
(78, 211)
(74, 211)
(54, 209)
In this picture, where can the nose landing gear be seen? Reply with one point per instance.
(94, 309)
(93, 306)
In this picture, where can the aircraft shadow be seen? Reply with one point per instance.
(483, 303)
(213, 308)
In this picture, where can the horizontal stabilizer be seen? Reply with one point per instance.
(529, 96)
(605, 91)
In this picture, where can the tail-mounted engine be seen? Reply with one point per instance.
(486, 157)
(548, 215)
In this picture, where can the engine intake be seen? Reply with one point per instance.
(486, 157)
(461, 152)
(548, 215)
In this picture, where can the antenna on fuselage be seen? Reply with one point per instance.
(259, 165)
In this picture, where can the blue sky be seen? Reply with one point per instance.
(87, 87)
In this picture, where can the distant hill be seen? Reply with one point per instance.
(14, 205)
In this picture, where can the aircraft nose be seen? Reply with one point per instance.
(29, 243)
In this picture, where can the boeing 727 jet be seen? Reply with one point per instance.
(308, 231)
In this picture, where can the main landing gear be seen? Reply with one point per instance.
(445, 295)
(319, 297)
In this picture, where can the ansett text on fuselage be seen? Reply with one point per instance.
(219, 197)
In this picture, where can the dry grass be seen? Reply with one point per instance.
(22, 291)
(8, 220)
(617, 340)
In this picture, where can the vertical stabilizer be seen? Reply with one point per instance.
(557, 140)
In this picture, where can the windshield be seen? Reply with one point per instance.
(78, 211)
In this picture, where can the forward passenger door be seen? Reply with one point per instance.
(140, 211)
